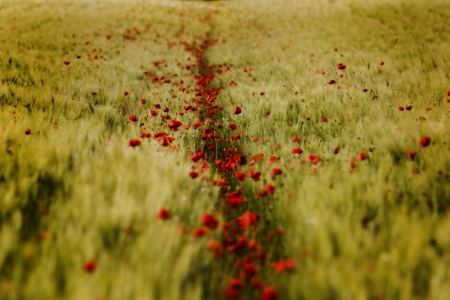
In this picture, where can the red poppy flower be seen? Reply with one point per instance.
(89, 266)
(125, 93)
(66, 62)
(287, 265)
(408, 107)
(240, 176)
(234, 198)
(324, 119)
(248, 219)
(255, 175)
(196, 157)
(253, 245)
(209, 221)
(28, 131)
(145, 135)
(249, 270)
(341, 66)
(448, 93)
(134, 143)
(269, 293)
(273, 159)
(154, 113)
(133, 118)
(411, 154)
(199, 232)
(163, 214)
(157, 105)
(314, 159)
(166, 109)
(269, 189)
(275, 172)
(362, 156)
(331, 81)
(216, 247)
(295, 139)
(308, 119)
(237, 110)
(143, 101)
(193, 174)
(337, 150)
(232, 126)
(401, 108)
(297, 151)
(174, 125)
(382, 63)
(425, 141)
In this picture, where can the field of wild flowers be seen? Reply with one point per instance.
(224, 150)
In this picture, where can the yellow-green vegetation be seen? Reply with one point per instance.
(73, 190)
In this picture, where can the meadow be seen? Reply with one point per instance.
(224, 149)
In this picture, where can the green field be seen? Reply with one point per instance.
(333, 181)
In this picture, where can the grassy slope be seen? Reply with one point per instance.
(91, 185)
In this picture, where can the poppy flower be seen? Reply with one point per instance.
(255, 175)
(249, 270)
(154, 113)
(308, 119)
(295, 139)
(209, 221)
(163, 214)
(275, 172)
(248, 219)
(133, 118)
(408, 107)
(273, 159)
(362, 156)
(66, 62)
(287, 265)
(234, 198)
(125, 93)
(232, 126)
(382, 63)
(28, 131)
(331, 81)
(253, 245)
(269, 293)
(337, 150)
(193, 174)
(411, 154)
(134, 143)
(89, 266)
(174, 125)
(401, 108)
(199, 232)
(157, 105)
(269, 189)
(314, 159)
(341, 66)
(297, 151)
(145, 135)
(425, 141)
(324, 119)
(143, 101)
(196, 157)
(237, 110)
(240, 176)
(448, 93)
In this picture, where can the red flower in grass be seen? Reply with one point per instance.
(193, 174)
(337, 150)
(401, 108)
(408, 107)
(235, 199)
(209, 221)
(163, 214)
(275, 172)
(154, 113)
(331, 81)
(314, 159)
(133, 118)
(89, 266)
(341, 66)
(255, 175)
(448, 93)
(295, 139)
(284, 265)
(269, 293)
(425, 141)
(269, 189)
(240, 176)
(125, 93)
(196, 157)
(199, 232)
(28, 131)
(174, 125)
(66, 62)
(237, 110)
(248, 219)
(215, 247)
(134, 143)
(232, 126)
(297, 151)
(362, 156)
(324, 119)
(145, 135)
(143, 101)
(411, 154)
(249, 270)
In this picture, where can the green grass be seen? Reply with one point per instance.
(73, 189)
